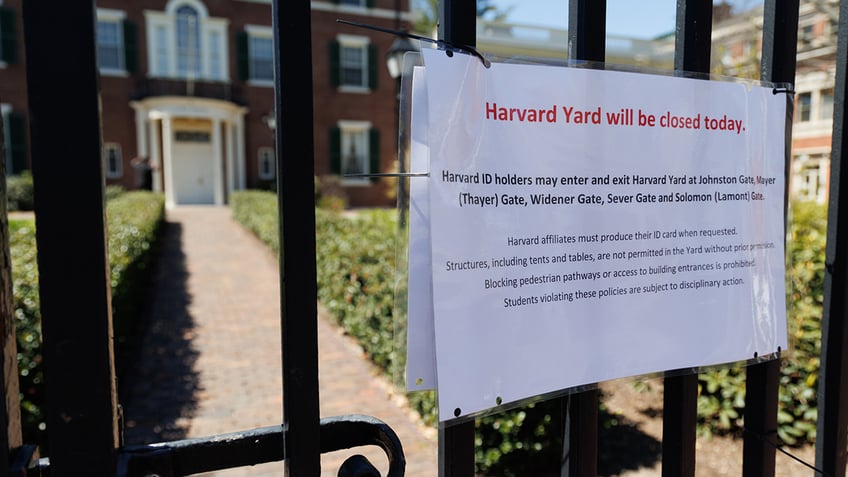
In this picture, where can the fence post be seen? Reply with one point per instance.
(296, 201)
(10, 412)
(680, 395)
(831, 438)
(70, 233)
(780, 38)
(458, 26)
(586, 41)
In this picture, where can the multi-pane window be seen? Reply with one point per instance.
(353, 64)
(354, 150)
(112, 160)
(188, 42)
(805, 103)
(110, 45)
(826, 105)
(162, 54)
(266, 163)
(261, 53)
(185, 42)
(216, 69)
(117, 48)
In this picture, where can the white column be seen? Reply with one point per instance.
(218, 159)
(228, 134)
(141, 125)
(167, 152)
(239, 129)
(155, 157)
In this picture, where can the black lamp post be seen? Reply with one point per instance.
(395, 65)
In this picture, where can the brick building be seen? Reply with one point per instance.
(188, 85)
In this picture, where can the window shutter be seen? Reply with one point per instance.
(369, 3)
(8, 37)
(374, 151)
(17, 137)
(242, 55)
(130, 46)
(335, 66)
(372, 67)
(335, 151)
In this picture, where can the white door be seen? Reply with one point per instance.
(193, 168)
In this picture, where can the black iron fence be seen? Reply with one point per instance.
(82, 411)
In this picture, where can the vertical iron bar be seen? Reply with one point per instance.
(680, 396)
(587, 29)
(831, 438)
(780, 38)
(457, 25)
(64, 106)
(10, 411)
(580, 434)
(586, 41)
(296, 201)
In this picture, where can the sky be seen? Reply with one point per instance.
(634, 18)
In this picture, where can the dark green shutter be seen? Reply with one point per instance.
(369, 3)
(8, 36)
(335, 66)
(374, 151)
(130, 46)
(372, 67)
(17, 137)
(242, 55)
(335, 151)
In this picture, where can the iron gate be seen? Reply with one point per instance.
(83, 414)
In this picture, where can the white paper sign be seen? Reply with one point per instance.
(589, 225)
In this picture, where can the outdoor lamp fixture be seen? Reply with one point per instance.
(394, 57)
(270, 120)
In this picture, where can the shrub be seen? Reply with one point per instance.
(721, 402)
(134, 220)
(355, 262)
(19, 191)
(112, 192)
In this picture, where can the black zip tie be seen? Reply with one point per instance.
(782, 90)
(448, 46)
(777, 447)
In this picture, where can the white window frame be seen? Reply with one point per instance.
(263, 32)
(119, 171)
(266, 154)
(354, 41)
(211, 29)
(348, 129)
(108, 15)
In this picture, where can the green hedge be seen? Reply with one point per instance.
(355, 261)
(19, 192)
(134, 220)
(722, 398)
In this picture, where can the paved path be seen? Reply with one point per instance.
(211, 361)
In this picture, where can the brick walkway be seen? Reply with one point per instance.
(210, 362)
